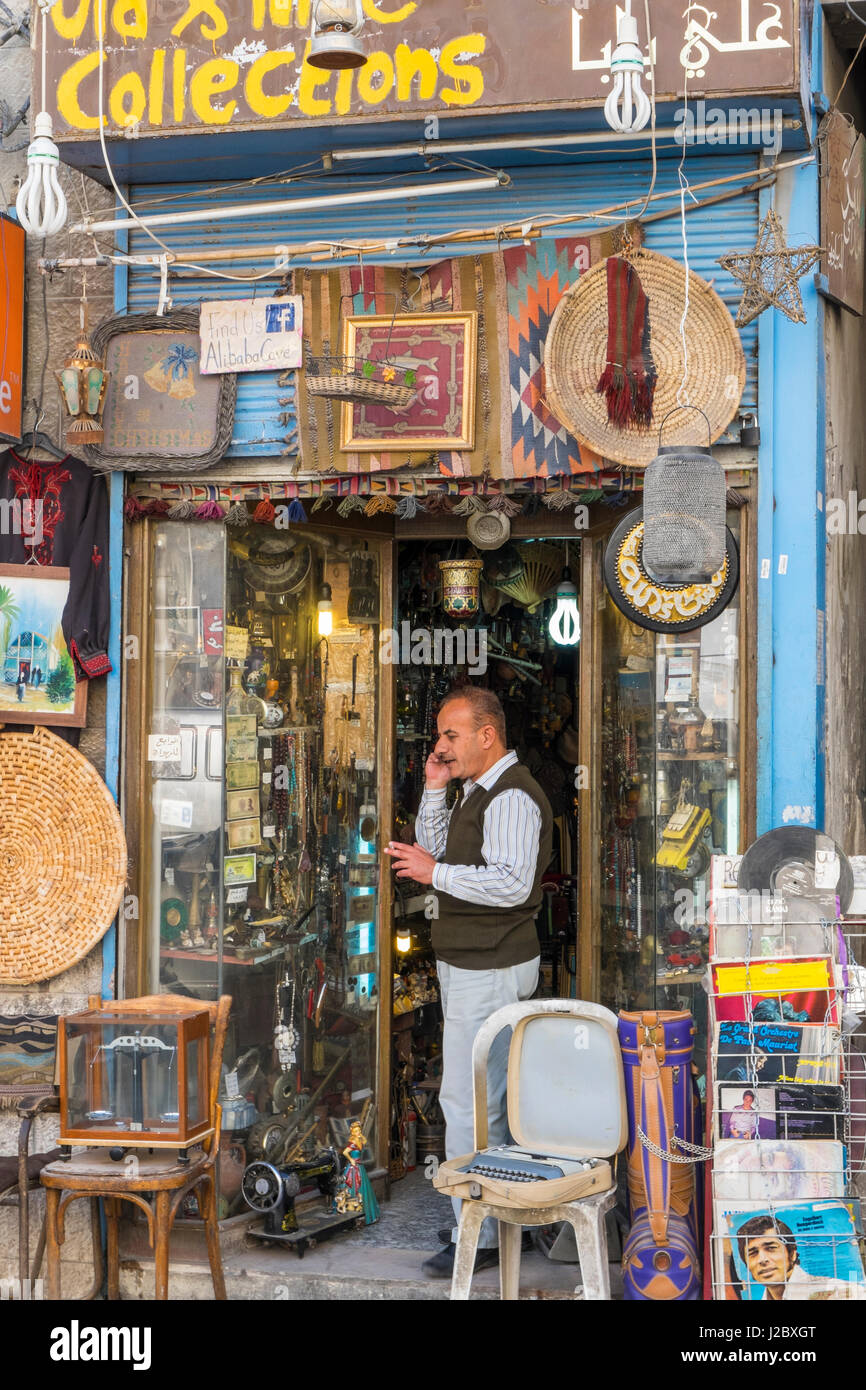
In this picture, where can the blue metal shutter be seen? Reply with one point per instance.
(262, 424)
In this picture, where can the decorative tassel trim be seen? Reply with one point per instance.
(237, 515)
(181, 511)
(380, 504)
(265, 513)
(296, 511)
(210, 511)
(407, 507)
(470, 506)
(508, 506)
(323, 502)
(437, 504)
(133, 510)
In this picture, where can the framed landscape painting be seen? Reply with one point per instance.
(37, 675)
(441, 350)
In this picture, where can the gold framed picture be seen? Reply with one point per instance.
(440, 353)
(244, 834)
(242, 805)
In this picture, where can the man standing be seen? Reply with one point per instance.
(484, 861)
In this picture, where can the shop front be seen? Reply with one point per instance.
(305, 579)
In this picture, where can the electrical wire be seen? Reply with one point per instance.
(682, 393)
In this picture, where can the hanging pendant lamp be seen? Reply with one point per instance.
(684, 501)
(336, 27)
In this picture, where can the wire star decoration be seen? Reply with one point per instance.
(770, 273)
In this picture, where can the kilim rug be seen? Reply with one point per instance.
(28, 1046)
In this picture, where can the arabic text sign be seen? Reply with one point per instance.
(251, 335)
(12, 334)
(211, 64)
(843, 214)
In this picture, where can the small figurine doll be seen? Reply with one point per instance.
(357, 1192)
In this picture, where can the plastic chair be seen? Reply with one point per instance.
(566, 1098)
(154, 1182)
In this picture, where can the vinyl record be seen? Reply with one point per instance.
(662, 607)
(784, 862)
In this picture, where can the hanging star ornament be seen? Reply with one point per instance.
(770, 273)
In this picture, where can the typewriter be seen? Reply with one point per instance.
(519, 1165)
(566, 1111)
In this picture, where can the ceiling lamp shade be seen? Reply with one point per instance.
(336, 27)
(685, 497)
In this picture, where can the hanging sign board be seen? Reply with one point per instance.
(11, 328)
(251, 335)
(240, 64)
(843, 214)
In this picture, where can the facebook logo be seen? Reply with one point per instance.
(280, 318)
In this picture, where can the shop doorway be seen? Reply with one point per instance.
(505, 645)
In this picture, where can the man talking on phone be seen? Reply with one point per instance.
(484, 861)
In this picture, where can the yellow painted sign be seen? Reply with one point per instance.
(145, 66)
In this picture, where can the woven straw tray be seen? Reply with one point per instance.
(576, 352)
(62, 857)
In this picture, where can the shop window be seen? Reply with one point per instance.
(261, 825)
(671, 798)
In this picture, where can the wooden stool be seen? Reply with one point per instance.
(586, 1216)
(153, 1181)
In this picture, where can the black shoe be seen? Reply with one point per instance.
(441, 1266)
(525, 1245)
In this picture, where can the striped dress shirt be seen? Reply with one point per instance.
(512, 832)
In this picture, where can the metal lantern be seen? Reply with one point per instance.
(460, 584)
(83, 381)
(684, 504)
(336, 26)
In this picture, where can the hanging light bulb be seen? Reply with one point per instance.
(628, 106)
(404, 940)
(326, 611)
(41, 205)
(564, 626)
(336, 26)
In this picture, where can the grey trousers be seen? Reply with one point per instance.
(469, 997)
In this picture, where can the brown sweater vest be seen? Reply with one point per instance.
(470, 935)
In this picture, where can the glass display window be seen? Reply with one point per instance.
(671, 797)
(261, 816)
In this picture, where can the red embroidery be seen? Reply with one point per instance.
(96, 557)
(42, 482)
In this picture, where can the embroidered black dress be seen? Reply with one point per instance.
(74, 534)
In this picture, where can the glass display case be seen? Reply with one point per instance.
(135, 1078)
(261, 821)
(671, 798)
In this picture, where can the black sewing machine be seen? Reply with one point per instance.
(273, 1190)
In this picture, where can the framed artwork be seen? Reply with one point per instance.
(37, 675)
(240, 869)
(158, 405)
(244, 834)
(442, 351)
(242, 805)
(241, 776)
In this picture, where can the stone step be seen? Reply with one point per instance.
(339, 1271)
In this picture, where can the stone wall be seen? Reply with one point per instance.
(845, 352)
(52, 323)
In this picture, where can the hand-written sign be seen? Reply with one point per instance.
(203, 64)
(843, 214)
(251, 335)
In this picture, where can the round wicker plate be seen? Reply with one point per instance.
(576, 351)
(62, 857)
